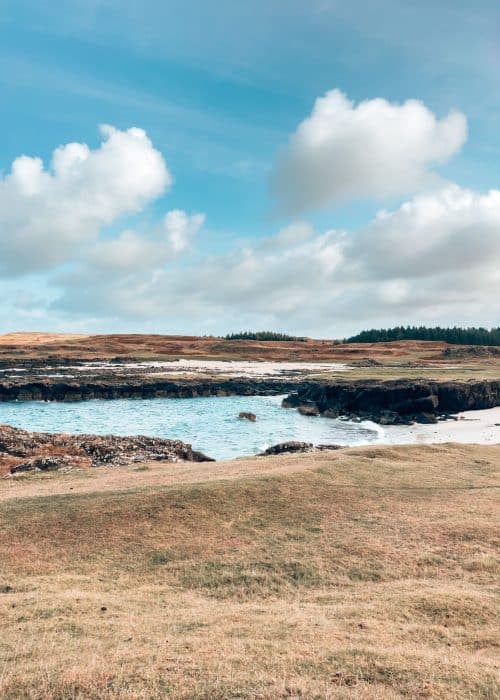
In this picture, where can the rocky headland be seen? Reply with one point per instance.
(394, 402)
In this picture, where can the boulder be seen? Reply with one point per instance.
(42, 464)
(290, 446)
(388, 418)
(426, 418)
(246, 415)
(309, 410)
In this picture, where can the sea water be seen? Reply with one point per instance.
(209, 424)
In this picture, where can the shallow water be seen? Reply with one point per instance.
(208, 424)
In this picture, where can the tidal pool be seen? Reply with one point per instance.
(208, 424)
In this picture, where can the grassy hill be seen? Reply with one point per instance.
(365, 573)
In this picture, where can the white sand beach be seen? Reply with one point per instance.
(482, 427)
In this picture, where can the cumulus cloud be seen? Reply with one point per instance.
(375, 149)
(435, 258)
(47, 213)
(132, 252)
(453, 229)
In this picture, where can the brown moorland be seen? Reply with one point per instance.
(136, 346)
(395, 360)
(365, 573)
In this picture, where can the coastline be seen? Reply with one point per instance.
(480, 427)
(22, 451)
(410, 410)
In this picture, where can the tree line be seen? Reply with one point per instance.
(455, 335)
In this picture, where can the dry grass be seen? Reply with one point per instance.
(366, 573)
(135, 346)
(445, 372)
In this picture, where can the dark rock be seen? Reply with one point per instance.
(325, 448)
(388, 418)
(201, 457)
(43, 464)
(426, 418)
(245, 415)
(111, 386)
(309, 410)
(290, 446)
(425, 404)
(398, 401)
(365, 362)
(291, 401)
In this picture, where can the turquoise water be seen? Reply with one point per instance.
(208, 424)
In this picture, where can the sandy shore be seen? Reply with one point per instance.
(482, 427)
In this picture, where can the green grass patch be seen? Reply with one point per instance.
(223, 579)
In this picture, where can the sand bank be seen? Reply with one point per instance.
(481, 427)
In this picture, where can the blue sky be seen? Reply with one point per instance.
(220, 89)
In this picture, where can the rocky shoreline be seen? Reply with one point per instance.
(25, 389)
(22, 451)
(384, 402)
(394, 402)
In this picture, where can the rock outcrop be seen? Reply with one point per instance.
(309, 409)
(396, 401)
(288, 447)
(136, 387)
(246, 415)
(22, 451)
(294, 446)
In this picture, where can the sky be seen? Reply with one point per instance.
(191, 167)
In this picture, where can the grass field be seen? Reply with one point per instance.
(393, 370)
(364, 573)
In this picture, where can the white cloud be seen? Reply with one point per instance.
(134, 253)
(375, 149)
(180, 228)
(295, 233)
(46, 214)
(435, 259)
(453, 229)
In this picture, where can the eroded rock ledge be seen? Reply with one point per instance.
(393, 402)
(21, 451)
(137, 387)
(385, 402)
